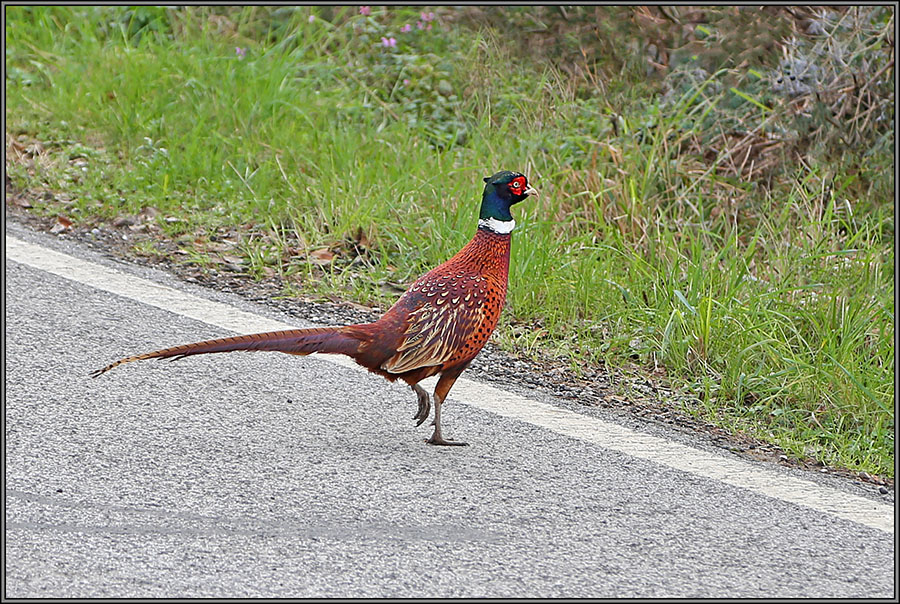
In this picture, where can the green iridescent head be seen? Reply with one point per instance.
(501, 191)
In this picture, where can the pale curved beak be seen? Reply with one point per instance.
(531, 191)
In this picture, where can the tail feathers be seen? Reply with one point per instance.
(293, 341)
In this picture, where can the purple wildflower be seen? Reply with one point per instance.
(365, 10)
(240, 52)
(312, 18)
(406, 81)
(420, 25)
(406, 28)
(427, 16)
(389, 42)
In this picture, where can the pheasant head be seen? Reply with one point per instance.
(502, 191)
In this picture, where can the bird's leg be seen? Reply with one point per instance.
(424, 404)
(440, 393)
(437, 438)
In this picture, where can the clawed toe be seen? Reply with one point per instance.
(422, 413)
(424, 408)
(449, 442)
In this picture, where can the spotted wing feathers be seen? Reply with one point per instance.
(449, 319)
(435, 336)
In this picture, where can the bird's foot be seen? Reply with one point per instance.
(437, 439)
(424, 409)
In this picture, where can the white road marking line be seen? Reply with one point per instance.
(612, 436)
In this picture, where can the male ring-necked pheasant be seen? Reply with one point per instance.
(436, 328)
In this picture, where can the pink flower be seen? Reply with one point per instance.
(406, 81)
(365, 10)
(240, 52)
(406, 28)
(420, 25)
(427, 16)
(388, 42)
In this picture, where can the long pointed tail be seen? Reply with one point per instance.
(293, 341)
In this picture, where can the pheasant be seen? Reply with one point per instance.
(437, 327)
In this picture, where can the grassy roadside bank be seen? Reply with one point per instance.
(271, 142)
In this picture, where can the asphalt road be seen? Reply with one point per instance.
(267, 475)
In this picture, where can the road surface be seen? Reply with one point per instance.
(268, 475)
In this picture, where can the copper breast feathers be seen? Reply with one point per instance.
(453, 309)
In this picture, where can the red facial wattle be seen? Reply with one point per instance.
(518, 184)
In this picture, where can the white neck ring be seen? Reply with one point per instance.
(502, 227)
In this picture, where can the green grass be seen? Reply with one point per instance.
(773, 306)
